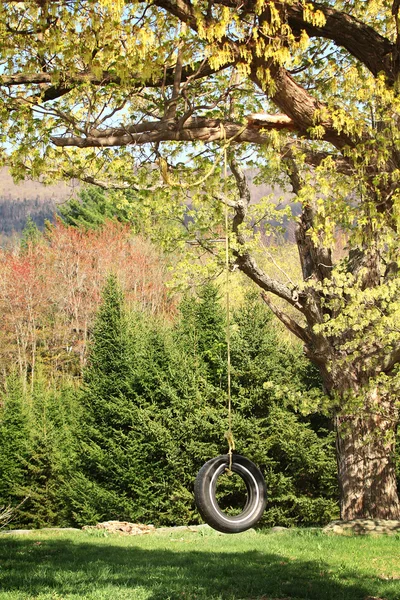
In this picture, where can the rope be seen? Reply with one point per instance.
(229, 433)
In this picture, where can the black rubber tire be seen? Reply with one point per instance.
(205, 489)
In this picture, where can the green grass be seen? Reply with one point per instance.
(203, 565)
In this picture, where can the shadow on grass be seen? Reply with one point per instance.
(61, 567)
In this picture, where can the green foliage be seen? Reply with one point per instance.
(14, 441)
(100, 87)
(202, 330)
(264, 369)
(127, 451)
(37, 434)
(109, 360)
(269, 380)
(155, 411)
(93, 208)
(30, 234)
(52, 455)
(106, 399)
(302, 486)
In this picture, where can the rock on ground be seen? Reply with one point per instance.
(122, 527)
(363, 527)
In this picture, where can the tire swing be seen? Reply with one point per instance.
(205, 485)
(205, 493)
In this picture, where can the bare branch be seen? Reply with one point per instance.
(194, 129)
(244, 261)
(7, 513)
(290, 323)
(104, 185)
(54, 91)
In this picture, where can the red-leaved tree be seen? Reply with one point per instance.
(49, 292)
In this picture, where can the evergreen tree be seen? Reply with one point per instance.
(109, 362)
(37, 435)
(90, 211)
(270, 379)
(155, 411)
(30, 234)
(97, 490)
(264, 368)
(203, 326)
(127, 452)
(302, 480)
(14, 442)
(52, 459)
(137, 436)
(95, 206)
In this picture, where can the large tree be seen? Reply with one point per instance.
(97, 90)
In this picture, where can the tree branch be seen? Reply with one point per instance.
(104, 185)
(194, 129)
(244, 261)
(249, 267)
(264, 120)
(290, 323)
(188, 73)
(359, 39)
(315, 259)
(300, 106)
(181, 9)
(375, 51)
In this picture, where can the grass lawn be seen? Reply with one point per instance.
(201, 565)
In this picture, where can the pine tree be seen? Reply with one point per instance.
(90, 211)
(52, 459)
(203, 326)
(123, 467)
(30, 234)
(14, 442)
(265, 369)
(109, 365)
(107, 416)
(95, 206)
(155, 411)
(38, 430)
(143, 419)
(270, 379)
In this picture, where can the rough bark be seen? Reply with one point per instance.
(192, 129)
(366, 436)
(360, 40)
(366, 462)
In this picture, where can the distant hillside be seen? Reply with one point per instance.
(279, 196)
(29, 198)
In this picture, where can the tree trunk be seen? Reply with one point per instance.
(366, 462)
